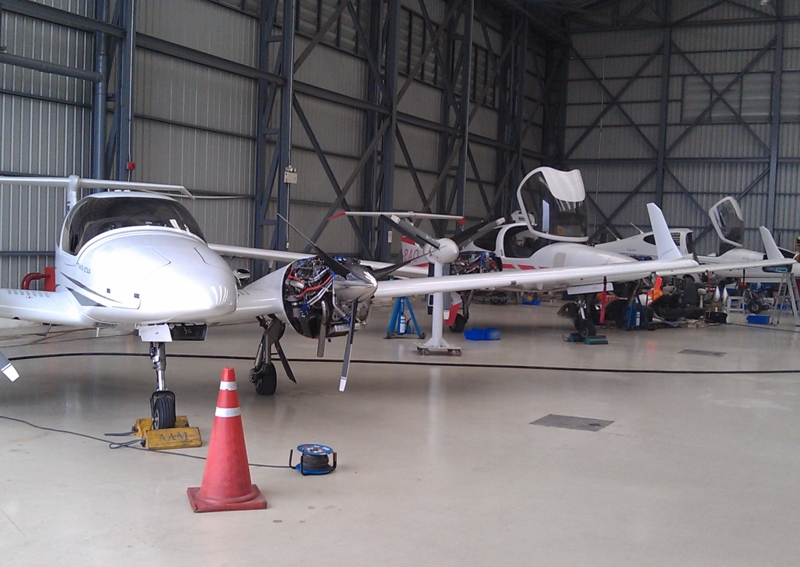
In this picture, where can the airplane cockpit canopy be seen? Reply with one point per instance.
(95, 215)
(727, 219)
(555, 199)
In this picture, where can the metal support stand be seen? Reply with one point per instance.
(787, 292)
(400, 325)
(437, 344)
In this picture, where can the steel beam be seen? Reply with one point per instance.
(46, 67)
(663, 110)
(281, 236)
(99, 95)
(124, 108)
(61, 17)
(775, 127)
(464, 113)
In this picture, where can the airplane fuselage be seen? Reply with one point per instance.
(147, 275)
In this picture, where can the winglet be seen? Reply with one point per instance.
(773, 252)
(7, 368)
(665, 246)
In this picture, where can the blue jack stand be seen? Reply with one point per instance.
(400, 325)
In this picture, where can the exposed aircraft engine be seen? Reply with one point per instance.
(311, 302)
(474, 262)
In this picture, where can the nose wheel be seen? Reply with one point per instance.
(162, 409)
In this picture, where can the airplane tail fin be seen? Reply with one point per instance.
(773, 252)
(664, 244)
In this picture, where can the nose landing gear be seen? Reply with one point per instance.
(162, 402)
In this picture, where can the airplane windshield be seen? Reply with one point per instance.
(93, 216)
(730, 224)
(554, 216)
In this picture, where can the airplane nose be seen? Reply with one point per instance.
(189, 296)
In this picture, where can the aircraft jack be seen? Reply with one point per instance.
(595, 340)
(179, 437)
(400, 325)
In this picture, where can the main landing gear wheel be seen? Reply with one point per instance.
(458, 325)
(585, 328)
(162, 409)
(265, 379)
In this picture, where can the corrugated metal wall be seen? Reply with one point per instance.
(615, 113)
(45, 122)
(196, 125)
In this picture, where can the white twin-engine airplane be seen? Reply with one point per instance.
(130, 258)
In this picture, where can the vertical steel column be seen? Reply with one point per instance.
(386, 202)
(99, 95)
(285, 143)
(774, 144)
(518, 117)
(466, 83)
(663, 113)
(124, 114)
(372, 167)
(261, 191)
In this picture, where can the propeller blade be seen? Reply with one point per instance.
(411, 231)
(383, 272)
(349, 348)
(337, 267)
(472, 233)
(7, 368)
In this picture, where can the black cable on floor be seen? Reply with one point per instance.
(130, 444)
(429, 363)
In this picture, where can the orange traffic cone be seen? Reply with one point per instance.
(226, 480)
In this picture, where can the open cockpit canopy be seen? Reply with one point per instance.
(102, 212)
(555, 199)
(728, 221)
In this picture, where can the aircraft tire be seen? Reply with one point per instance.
(459, 324)
(265, 379)
(585, 328)
(163, 412)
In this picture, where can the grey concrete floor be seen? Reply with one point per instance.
(438, 461)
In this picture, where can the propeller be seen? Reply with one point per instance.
(7, 368)
(411, 231)
(355, 283)
(476, 231)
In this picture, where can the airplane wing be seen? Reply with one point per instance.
(48, 307)
(532, 279)
(281, 256)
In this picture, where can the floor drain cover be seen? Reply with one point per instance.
(572, 422)
(702, 352)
